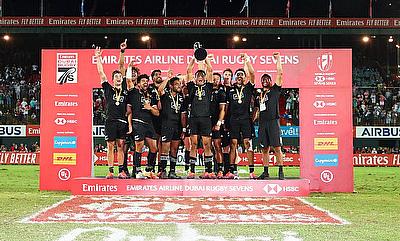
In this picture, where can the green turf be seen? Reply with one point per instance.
(374, 211)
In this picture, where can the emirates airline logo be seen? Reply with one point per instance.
(325, 62)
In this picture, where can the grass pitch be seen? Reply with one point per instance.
(373, 210)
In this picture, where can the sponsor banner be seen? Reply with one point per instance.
(200, 22)
(380, 132)
(289, 131)
(13, 130)
(33, 130)
(19, 158)
(374, 160)
(190, 188)
(65, 142)
(64, 159)
(326, 160)
(131, 209)
(326, 143)
(322, 71)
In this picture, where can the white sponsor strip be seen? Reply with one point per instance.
(324, 114)
(65, 95)
(389, 132)
(334, 216)
(325, 133)
(28, 219)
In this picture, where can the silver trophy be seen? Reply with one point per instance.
(200, 53)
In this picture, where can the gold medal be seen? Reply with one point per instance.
(200, 92)
(239, 95)
(118, 93)
(176, 103)
(117, 103)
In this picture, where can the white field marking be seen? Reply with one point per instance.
(185, 233)
(26, 220)
(115, 235)
(334, 216)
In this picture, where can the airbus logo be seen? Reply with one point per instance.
(62, 121)
(272, 188)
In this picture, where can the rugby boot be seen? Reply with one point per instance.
(191, 175)
(212, 175)
(162, 175)
(110, 175)
(139, 175)
(229, 175)
(122, 175)
(264, 176)
(205, 175)
(172, 175)
(220, 175)
(253, 176)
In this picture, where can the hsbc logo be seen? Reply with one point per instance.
(62, 121)
(272, 188)
(325, 62)
(319, 78)
(275, 189)
(319, 104)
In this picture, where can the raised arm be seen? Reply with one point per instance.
(248, 67)
(189, 70)
(279, 75)
(121, 61)
(209, 70)
(100, 70)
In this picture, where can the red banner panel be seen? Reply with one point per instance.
(323, 77)
(190, 188)
(200, 22)
(20, 158)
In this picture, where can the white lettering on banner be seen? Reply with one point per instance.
(377, 132)
(373, 160)
(65, 103)
(12, 130)
(18, 158)
(325, 122)
(98, 131)
(326, 176)
(396, 160)
(99, 188)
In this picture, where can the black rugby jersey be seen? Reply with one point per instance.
(171, 108)
(268, 103)
(239, 100)
(136, 99)
(116, 101)
(200, 99)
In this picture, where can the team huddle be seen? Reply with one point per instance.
(201, 108)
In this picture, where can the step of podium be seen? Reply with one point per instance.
(191, 187)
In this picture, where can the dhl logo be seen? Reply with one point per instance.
(326, 144)
(64, 159)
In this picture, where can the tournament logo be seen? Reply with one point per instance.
(64, 174)
(326, 176)
(67, 68)
(325, 62)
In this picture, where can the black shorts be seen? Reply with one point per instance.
(240, 129)
(200, 126)
(115, 129)
(143, 130)
(226, 138)
(217, 134)
(157, 125)
(269, 133)
(169, 133)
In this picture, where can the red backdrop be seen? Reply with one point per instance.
(322, 75)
